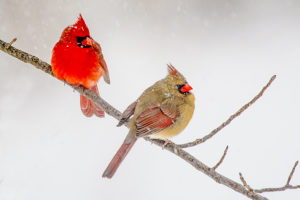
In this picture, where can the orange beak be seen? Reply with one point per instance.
(88, 41)
(186, 88)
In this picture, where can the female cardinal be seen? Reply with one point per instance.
(162, 111)
(77, 58)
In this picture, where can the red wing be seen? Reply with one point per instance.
(106, 73)
(102, 62)
(154, 120)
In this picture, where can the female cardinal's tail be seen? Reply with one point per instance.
(120, 155)
(88, 108)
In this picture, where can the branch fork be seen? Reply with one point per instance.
(275, 189)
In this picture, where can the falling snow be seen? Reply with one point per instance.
(226, 49)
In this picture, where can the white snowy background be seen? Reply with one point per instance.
(227, 50)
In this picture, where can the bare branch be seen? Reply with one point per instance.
(292, 173)
(232, 117)
(275, 189)
(25, 57)
(287, 187)
(221, 160)
(206, 170)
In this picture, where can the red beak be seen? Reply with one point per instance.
(88, 41)
(186, 88)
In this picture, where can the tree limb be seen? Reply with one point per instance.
(219, 178)
(175, 149)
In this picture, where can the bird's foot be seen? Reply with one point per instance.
(167, 142)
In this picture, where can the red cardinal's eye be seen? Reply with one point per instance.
(84, 42)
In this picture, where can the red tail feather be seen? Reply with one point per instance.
(119, 156)
(88, 108)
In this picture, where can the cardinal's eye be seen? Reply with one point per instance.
(81, 42)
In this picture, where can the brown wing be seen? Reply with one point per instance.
(154, 119)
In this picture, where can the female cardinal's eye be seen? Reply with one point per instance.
(80, 40)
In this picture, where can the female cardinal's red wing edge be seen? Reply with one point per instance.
(154, 119)
(127, 114)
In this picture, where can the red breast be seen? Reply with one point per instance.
(74, 59)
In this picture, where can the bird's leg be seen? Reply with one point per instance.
(167, 142)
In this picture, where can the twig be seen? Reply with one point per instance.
(245, 183)
(221, 160)
(232, 117)
(25, 57)
(276, 189)
(286, 187)
(292, 173)
(11, 42)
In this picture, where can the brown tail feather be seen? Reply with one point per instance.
(88, 108)
(119, 156)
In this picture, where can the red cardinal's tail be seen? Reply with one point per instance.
(119, 156)
(88, 108)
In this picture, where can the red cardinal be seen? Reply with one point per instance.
(77, 58)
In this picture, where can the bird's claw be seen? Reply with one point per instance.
(166, 142)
